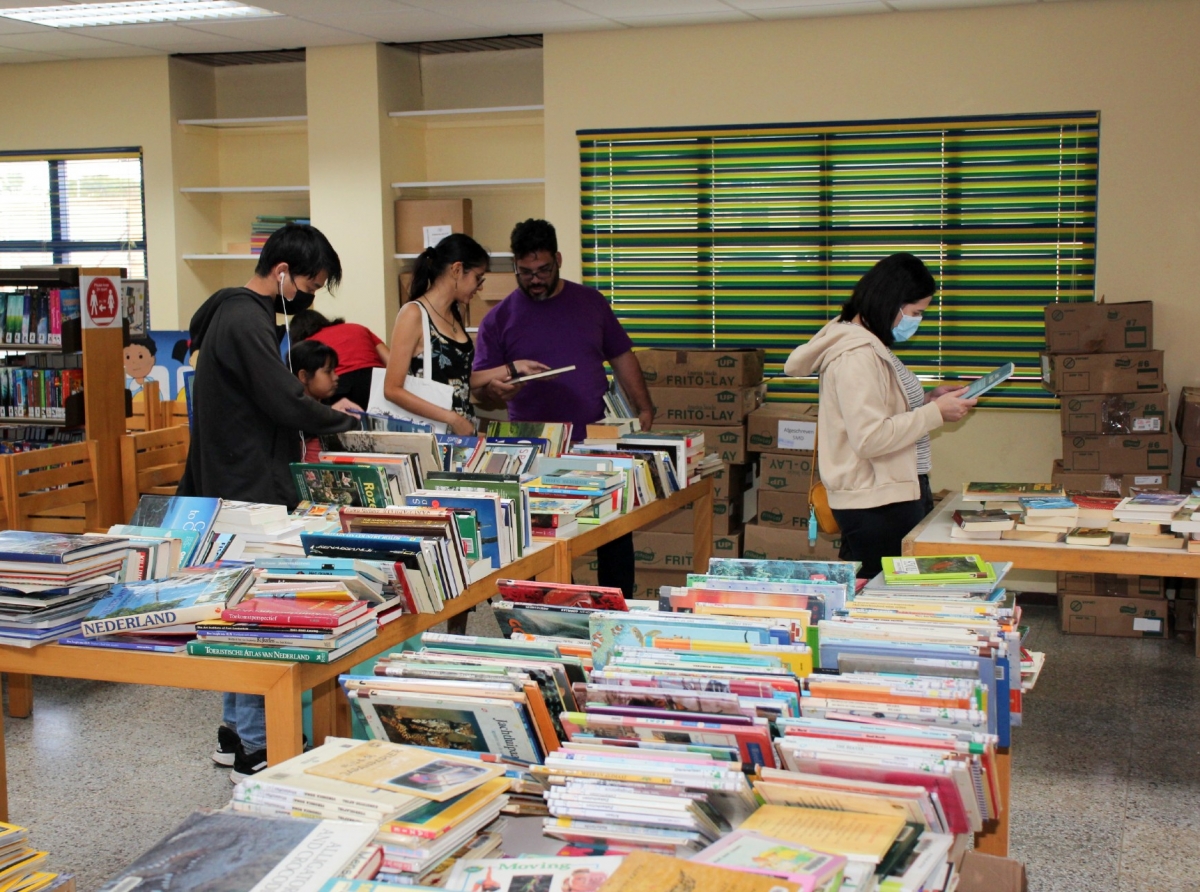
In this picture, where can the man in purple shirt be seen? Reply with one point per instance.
(551, 322)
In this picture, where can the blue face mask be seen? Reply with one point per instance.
(906, 329)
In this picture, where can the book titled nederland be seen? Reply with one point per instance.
(188, 597)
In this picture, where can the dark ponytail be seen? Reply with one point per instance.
(432, 262)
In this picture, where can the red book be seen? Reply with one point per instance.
(295, 612)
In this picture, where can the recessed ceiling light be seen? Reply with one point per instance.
(141, 12)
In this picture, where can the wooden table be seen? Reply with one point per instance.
(282, 684)
(932, 536)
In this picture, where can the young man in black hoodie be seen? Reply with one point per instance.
(250, 415)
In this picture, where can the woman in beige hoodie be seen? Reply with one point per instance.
(874, 417)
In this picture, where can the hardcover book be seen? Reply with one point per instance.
(642, 871)
(19, 546)
(189, 597)
(533, 592)
(408, 769)
(364, 485)
(295, 612)
(176, 513)
(532, 874)
(936, 569)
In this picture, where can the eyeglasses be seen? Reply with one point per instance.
(542, 272)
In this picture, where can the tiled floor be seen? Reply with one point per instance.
(1106, 770)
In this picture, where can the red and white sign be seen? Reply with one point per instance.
(100, 299)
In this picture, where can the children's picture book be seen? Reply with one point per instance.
(408, 769)
(145, 606)
(752, 852)
(531, 591)
(642, 871)
(531, 874)
(936, 569)
(542, 619)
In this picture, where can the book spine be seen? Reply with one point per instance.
(288, 654)
(281, 619)
(139, 622)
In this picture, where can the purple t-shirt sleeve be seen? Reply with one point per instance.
(616, 341)
(489, 351)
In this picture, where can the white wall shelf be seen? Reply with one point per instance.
(460, 184)
(272, 121)
(497, 114)
(494, 254)
(220, 257)
(219, 190)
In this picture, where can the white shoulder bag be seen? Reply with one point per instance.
(441, 395)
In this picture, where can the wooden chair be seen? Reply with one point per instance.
(51, 491)
(148, 414)
(152, 462)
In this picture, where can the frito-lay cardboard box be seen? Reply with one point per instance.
(704, 405)
(584, 569)
(782, 509)
(727, 518)
(702, 368)
(662, 551)
(978, 872)
(1191, 461)
(1112, 585)
(1140, 372)
(1118, 455)
(731, 482)
(782, 427)
(413, 215)
(786, 472)
(1098, 481)
(1187, 416)
(727, 546)
(1099, 328)
(727, 441)
(1113, 616)
(785, 544)
(1117, 413)
(646, 583)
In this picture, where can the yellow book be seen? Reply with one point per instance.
(839, 800)
(796, 613)
(444, 819)
(407, 769)
(844, 833)
(643, 872)
(799, 662)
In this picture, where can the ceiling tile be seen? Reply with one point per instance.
(173, 39)
(280, 33)
(52, 40)
(910, 5)
(624, 9)
(8, 54)
(844, 7)
(693, 18)
(513, 15)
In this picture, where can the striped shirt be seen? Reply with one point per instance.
(916, 399)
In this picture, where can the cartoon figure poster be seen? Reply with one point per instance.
(160, 356)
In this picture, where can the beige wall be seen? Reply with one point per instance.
(104, 104)
(1133, 60)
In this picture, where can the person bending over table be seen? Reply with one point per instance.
(874, 417)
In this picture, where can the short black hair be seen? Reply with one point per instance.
(304, 249)
(312, 356)
(530, 236)
(307, 323)
(894, 282)
(143, 341)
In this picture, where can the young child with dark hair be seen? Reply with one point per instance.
(315, 364)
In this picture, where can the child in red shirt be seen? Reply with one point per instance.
(315, 364)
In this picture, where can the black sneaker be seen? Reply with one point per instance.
(247, 764)
(227, 746)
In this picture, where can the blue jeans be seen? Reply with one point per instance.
(247, 715)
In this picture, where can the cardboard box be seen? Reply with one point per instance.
(1112, 616)
(662, 551)
(782, 509)
(1111, 585)
(1191, 462)
(731, 482)
(1098, 481)
(1187, 416)
(1186, 483)
(702, 368)
(704, 405)
(646, 583)
(1140, 372)
(727, 441)
(1108, 414)
(783, 544)
(1118, 455)
(727, 518)
(1099, 328)
(584, 569)
(978, 872)
(414, 214)
(786, 472)
(1185, 615)
(727, 546)
(783, 427)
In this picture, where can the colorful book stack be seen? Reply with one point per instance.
(160, 614)
(266, 224)
(22, 867)
(50, 581)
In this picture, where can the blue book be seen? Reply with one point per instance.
(486, 515)
(189, 597)
(189, 539)
(1047, 503)
(154, 643)
(22, 546)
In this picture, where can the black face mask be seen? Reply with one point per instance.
(302, 301)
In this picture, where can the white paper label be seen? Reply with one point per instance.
(797, 435)
(100, 301)
(1147, 424)
(434, 234)
(1141, 624)
(1144, 480)
(905, 566)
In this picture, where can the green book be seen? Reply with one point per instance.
(202, 648)
(937, 570)
(468, 529)
(360, 485)
(506, 486)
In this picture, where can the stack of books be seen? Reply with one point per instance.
(531, 872)
(558, 518)
(1186, 523)
(186, 518)
(296, 627)
(556, 434)
(1009, 493)
(985, 523)
(1145, 518)
(161, 614)
(264, 226)
(687, 449)
(22, 865)
(1044, 519)
(49, 582)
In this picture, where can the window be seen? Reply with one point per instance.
(755, 235)
(83, 209)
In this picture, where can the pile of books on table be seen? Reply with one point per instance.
(49, 582)
(22, 867)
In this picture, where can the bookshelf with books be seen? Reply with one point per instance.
(61, 382)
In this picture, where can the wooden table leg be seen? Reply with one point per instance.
(285, 718)
(324, 708)
(342, 725)
(20, 695)
(561, 569)
(994, 838)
